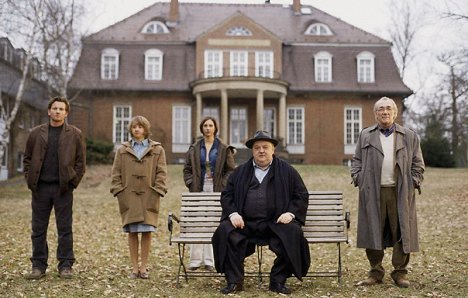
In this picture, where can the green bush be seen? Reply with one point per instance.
(99, 152)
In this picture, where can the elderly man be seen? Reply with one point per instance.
(387, 167)
(264, 200)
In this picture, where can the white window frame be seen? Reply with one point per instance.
(351, 135)
(109, 64)
(239, 63)
(269, 121)
(318, 29)
(323, 67)
(155, 27)
(295, 136)
(264, 64)
(238, 141)
(238, 31)
(365, 67)
(213, 63)
(121, 123)
(181, 128)
(153, 65)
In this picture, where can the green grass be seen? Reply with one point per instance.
(102, 266)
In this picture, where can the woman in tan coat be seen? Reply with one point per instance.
(139, 181)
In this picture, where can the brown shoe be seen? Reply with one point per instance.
(370, 281)
(401, 282)
(36, 273)
(66, 273)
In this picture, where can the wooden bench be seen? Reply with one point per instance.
(326, 222)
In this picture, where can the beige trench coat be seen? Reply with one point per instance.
(139, 184)
(366, 173)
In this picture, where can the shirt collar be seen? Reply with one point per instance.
(260, 168)
(387, 131)
(144, 143)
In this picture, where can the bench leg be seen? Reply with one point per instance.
(181, 247)
(339, 264)
(259, 259)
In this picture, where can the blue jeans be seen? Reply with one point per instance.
(46, 197)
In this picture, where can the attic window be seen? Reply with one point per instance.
(239, 31)
(155, 27)
(318, 29)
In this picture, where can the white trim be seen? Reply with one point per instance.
(361, 57)
(125, 120)
(320, 30)
(264, 60)
(320, 69)
(274, 120)
(349, 148)
(295, 147)
(155, 24)
(238, 63)
(240, 142)
(213, 59)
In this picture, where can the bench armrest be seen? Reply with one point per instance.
(171, 217)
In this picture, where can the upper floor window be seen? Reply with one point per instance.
(110, 64)
(239, 63)
(155, 27)
(365, 67)
(153, 64)
(238, 31)
(264, 64)
(318, 29)
(323, 67)
(213, 64)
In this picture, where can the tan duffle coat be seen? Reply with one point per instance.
(139, 184)
(366, 173)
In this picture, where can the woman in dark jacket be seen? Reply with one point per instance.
(208, 164)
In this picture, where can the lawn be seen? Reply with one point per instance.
(102, 266)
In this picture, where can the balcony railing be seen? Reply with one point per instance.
(251, 73)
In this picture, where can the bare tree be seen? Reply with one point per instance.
(47, 31)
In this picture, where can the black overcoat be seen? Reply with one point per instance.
(287, 193)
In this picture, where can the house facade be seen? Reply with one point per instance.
(298, 72)
(32, 109)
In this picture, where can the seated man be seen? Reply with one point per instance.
(265, 198)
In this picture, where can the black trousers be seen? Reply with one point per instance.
(44, 199)
(241, 244)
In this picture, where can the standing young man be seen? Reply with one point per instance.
(387, 167)
(54, 163)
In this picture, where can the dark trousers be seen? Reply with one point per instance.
(46, 197)
(390, 231)
(241, 244)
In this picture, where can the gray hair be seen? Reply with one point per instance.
(387, 100)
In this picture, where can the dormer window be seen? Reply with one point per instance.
(365, 67)
(318, 29)
(239, 31)
(155, 27)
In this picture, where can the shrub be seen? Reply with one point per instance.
(99, 152)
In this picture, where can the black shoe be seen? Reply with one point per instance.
(232, 288)
(279, 288)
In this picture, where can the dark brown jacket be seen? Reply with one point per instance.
(224, 166)
(71, 154)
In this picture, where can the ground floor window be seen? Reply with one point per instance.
(122, 117)
(353, 125)
(238, 126)
(295, 133)
(269, 119)
(181, 128)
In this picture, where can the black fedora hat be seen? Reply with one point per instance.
(261, 135)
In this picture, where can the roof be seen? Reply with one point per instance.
(193, 22)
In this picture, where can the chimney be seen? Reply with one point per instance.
(173, 13)
(297, 7)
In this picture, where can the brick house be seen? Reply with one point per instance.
(306, 76)
(32, 110)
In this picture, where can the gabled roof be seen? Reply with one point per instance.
(194, 20)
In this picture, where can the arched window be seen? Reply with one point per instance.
(365, 67)
(318, 29)
(155, 27)
(323, 67)
(109, 64)
(239, 31)
(153, 64)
